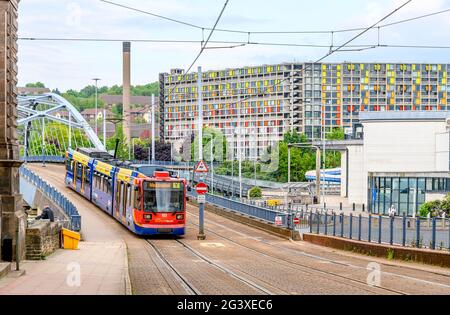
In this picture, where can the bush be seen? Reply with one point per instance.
(255, 192)
(436, 208)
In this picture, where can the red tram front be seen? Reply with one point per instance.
(162, 205)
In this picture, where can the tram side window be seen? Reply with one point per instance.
(137, 200)
(108, 182)
(69, 165)
(130, 190)
(87, 175)
(79, 171)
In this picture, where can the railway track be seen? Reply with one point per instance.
(306, 268)
(188, 285)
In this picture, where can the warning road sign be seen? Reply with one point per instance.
(201, 167)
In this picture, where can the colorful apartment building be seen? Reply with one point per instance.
(270, 100)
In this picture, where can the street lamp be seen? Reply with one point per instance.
(96, 104)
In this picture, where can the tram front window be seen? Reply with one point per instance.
(163, 197)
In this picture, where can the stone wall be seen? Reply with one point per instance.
(42, 239)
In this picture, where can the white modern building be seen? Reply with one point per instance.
(402, 159)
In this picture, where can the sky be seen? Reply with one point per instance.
(65, 65)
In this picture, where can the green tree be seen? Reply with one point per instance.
(35, 85)
(255, 192)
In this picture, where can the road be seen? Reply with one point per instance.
(240, 260)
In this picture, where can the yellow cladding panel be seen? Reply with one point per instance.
(81, 158)
(392, 80)
(338, 67)
(366, 101)
(324, 67)
(418, 81)
(362, 67)
(324, 74)
(444, 81)
(324, 81)
(103, 168)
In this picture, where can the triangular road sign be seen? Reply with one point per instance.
(201, 167)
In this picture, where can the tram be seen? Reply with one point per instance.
(146, 204)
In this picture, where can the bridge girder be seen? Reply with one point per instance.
(28, 113)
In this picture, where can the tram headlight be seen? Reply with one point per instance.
(180, 217)
(147, 216)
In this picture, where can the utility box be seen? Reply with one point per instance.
(70, 239)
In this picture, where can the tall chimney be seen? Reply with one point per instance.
(126, 91)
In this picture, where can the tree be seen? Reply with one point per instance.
(336, 134)
(35, 85)
(255, 192)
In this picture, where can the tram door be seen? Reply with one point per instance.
(123, 215)
(119, 197)
(78, 174)
(75, 175)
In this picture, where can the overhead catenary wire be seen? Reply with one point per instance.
(332, 51)
(232, 44)
(203, 45)
(248, 32)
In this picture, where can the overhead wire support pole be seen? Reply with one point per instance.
(153, 130)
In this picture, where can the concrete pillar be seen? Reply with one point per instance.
(127, 91)
(11, 211)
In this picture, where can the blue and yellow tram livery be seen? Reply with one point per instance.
(146, 205)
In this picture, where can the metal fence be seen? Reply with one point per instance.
(266, 215)
(431, 233)
(418, 232)
(59, 199)
(43, 158)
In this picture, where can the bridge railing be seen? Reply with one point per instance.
(43, 158)
(53, 194)
(264, 214)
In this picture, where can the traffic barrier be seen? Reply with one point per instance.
(53, 194)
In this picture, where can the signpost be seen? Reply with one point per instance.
(202, 190)
(278, 221)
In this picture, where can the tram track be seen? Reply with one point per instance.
(290, 263)
(189, 285)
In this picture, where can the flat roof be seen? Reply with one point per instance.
(404, 115)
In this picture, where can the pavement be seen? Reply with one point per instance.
(96, 268)
(99, 266)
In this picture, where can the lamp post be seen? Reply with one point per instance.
(96, 104)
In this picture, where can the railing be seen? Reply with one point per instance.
(43, 158)
(59, 199)
(264, 214)
(419, 232)
(164, 163)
